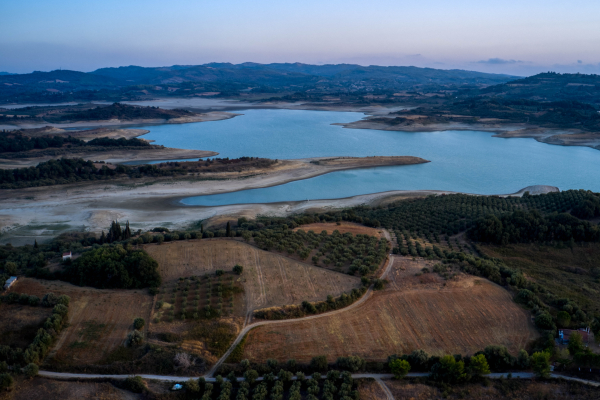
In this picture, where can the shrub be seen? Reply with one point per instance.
(219, 272)
(138, 323)
(135, 338)
(352, 363)
(318, 363)
(399, 368)
(134, 384)
(6, 381)
(31, 370)
(238, 269)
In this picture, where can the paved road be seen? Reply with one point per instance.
(247, 328)
(377, 377)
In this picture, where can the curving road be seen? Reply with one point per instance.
(248, 328)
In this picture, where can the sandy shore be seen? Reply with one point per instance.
(39, 213)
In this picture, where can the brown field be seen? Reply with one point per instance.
(20, 323)
(458, 316)
(269, 279)
(41, 388)
(496, 390)
(99, 320)
(343, 227)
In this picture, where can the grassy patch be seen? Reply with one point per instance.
(565, 272)
(218, 336)
(237, 354)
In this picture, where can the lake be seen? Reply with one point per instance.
(462, 161)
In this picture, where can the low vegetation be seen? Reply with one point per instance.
(124, 112)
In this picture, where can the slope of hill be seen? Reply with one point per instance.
(548, 86)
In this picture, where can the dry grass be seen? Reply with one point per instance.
(41, 388)
(497, 390)
(20, 323)
(343, 227)
(462, 315)
(269, 279)
(99, 320)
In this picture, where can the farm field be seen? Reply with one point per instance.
(496, 390)
(99, 320)
(20, 323)
(457, 316)
(41, 388)
(268, 279)
(343, 227)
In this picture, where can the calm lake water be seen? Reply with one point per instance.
(463, 161)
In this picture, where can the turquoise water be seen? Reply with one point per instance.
(462, 161)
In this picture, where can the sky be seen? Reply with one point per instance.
(520, 37)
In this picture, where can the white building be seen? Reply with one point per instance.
(66, 256)
(9, 282)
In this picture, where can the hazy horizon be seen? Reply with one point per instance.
(510, 37)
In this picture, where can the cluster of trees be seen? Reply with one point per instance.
(70, 170)
(116, 233)
(124, 111)
(359, 253)
(308, 308)
(114, 266)
(532, 226)
(451, 214)
(274, 386)
(15, 142)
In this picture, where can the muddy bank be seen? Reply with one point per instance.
(561, 137)
(209, 116)
(43, 212)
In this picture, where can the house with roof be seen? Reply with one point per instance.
(565, 334)
(9, 282)
(67, 256)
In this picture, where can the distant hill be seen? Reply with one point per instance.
(225, 79)
(5, 73)
(289, 74)
(548, 86)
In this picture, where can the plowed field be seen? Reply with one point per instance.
(462, 315)
(343, 227)
(99, 320)
(269, 279)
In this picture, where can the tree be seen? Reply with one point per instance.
(318, 363)
(523, 359)
(31, 370)
(448, 370)
(479, 365)
(6, 381)
(544, 321)
(399, 368)
(540, 362)
(135, 338)
(351, 363)
(228, 229)
(250, 376)
(10, 268)
(138, 323)
(238, 269)
(563, 318)
(576, 343)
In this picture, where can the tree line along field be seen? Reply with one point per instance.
(458, 316)
(99, 320)
(268, 279)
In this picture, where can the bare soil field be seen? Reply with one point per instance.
(457, 316)
(20, 323)
(343, 227)
(41, 388)
(269, 279)
(99, 320)
(496, 390)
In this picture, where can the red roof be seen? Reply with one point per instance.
(67, 254)
(567, 333)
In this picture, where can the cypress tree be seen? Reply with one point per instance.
(228, 229)
(35, 245)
